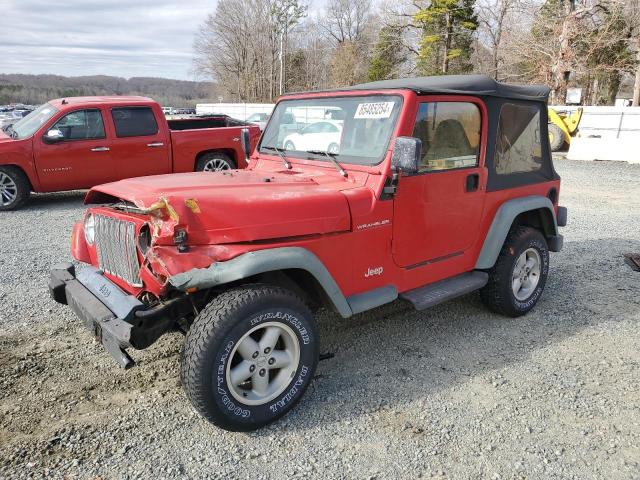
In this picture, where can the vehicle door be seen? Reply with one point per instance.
(140, 147)
(437, 212)
(79, 156)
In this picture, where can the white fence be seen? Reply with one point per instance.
(608, 122)
(607, 133)
(241, 111)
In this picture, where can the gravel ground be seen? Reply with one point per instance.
(452, 392)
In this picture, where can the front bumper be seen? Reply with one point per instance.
(117, 319)
(105, 309)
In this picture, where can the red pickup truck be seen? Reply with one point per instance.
(79, 142)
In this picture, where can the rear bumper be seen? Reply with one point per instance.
(118, 320)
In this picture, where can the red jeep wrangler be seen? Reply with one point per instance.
(424, 189)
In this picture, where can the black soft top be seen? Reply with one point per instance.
(480, 85)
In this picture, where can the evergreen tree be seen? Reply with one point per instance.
(388, 54)
(447, 35)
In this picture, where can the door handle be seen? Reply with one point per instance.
(100, 149)
(155, 144)
(472, 182)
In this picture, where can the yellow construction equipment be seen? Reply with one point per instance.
(562, 127)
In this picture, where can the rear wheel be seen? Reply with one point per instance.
(517, 279)
(215, 162)
(289, 145)
(14, 188)
(249, 356)
(556, 138)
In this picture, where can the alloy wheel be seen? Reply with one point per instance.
(8, 190)
(216, 165)
(526, 274)
(263, 363)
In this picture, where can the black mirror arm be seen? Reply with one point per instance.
(391, 185)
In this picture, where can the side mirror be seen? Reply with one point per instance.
(245, 140)
(406, 154)
(54, 136)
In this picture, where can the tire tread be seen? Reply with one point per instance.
(492, 294)
(210, 327)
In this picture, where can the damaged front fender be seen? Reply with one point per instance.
(261, 261)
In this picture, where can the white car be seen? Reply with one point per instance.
(259, 119)
(324, 135)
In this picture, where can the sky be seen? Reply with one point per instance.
(125, 38)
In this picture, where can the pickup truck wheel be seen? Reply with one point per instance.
(14, 188)
(518, 278)
(215, 162)
(249, 356)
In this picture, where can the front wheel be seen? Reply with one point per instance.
(249, 356)
(517, 279)
(14, 188)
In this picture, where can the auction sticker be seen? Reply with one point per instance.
(374, 110)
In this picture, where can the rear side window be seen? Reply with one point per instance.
(518, 147)
(81, 125)
(450, 135)
(134, 121)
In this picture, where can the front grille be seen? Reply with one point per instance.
(116, 248)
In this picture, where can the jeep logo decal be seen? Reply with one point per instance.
(372, 272)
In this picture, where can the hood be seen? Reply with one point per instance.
(4, 138)
(236, 206)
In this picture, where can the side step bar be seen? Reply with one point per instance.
(435, 293)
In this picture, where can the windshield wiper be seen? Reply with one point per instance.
(279, 151)
(330, 156)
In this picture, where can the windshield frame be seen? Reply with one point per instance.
(305, 157)
(31, 116)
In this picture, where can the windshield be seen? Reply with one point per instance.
(28, 125)
(353, 130)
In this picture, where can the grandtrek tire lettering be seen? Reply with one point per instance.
(286, 317)
(299, 381)
(236, 329)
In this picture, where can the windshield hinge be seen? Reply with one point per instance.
(391, 185)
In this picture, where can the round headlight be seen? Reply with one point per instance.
(89, 229)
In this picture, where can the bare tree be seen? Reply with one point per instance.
(241, 45)
(497, 20)
(632, 15)
(309, 58)
(347, 19)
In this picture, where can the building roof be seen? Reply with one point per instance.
(480, 85)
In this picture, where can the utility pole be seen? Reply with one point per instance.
(283, 33)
